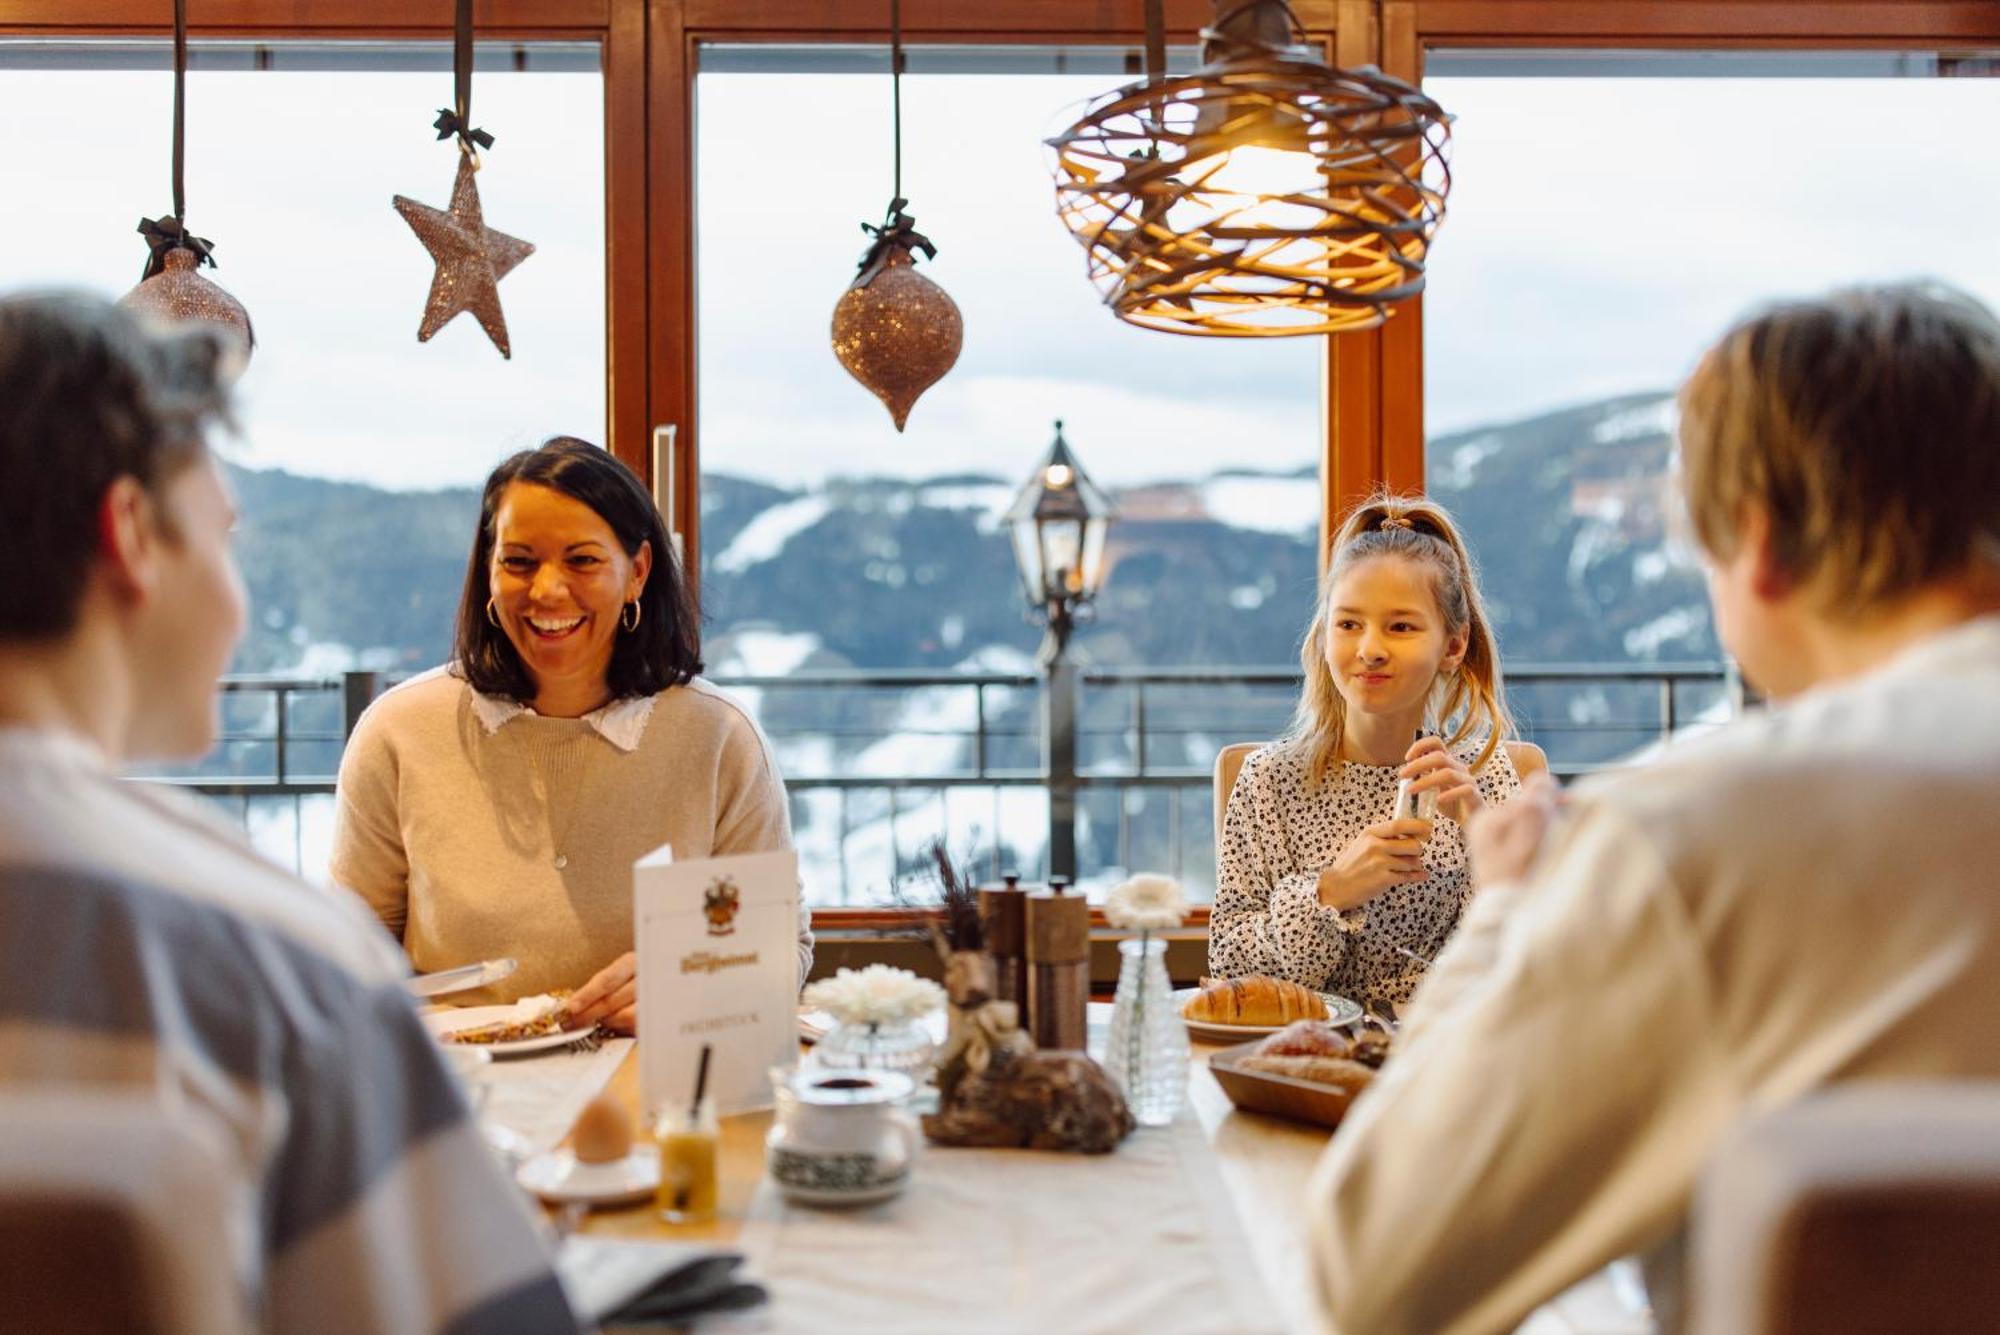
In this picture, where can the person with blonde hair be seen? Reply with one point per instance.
(1804, 899)
(1319, 879)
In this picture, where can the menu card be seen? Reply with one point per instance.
(718, 964)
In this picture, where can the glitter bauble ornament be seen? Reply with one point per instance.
(179, 292)
(897, 332)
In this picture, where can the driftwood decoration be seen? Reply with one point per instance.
(1147, 182)
(995, 1091)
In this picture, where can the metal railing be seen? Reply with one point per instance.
(878, 763)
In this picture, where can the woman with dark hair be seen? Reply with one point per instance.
(495, 806)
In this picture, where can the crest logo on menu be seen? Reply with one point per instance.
(719, 904)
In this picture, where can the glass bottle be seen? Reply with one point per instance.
(687, 1141)
(1147, 1050)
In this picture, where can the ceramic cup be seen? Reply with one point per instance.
(841, 1137)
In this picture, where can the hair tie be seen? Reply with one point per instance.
(1393, 521)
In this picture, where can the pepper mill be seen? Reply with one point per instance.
(1058, 966)
(1004, 924)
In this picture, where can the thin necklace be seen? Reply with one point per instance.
(559, 829)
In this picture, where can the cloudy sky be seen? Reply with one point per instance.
(1600, 232)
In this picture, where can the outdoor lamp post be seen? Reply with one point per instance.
(1058, 521)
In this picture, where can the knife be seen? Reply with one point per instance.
(462, 979)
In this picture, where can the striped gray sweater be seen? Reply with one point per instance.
(144, 947)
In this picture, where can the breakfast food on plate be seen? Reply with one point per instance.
(1306, 1038)
(1315, 1051)
(1339, 1071)
(532, 1017)
(1253, 1000)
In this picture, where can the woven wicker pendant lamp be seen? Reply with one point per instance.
(1265, 194)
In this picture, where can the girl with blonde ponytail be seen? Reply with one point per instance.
(1319, 878)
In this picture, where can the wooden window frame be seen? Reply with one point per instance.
(1372, 386)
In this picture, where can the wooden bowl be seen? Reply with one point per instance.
(1279, 1095)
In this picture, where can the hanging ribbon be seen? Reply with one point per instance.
(897, 232)
(170, 232)
(457, 119)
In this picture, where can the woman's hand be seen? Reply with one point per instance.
(1431, 768)
(1504, 842)
(610, 998)
(1391, 853)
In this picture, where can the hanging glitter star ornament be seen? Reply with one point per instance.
(895, 330)
(471, 258)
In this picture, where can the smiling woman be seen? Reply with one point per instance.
(1324, 877)
(495, 806)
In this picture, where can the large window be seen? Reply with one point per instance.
(1611, 214)
(361, 450)
(831, 542)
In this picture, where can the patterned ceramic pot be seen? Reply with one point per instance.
(841, 1137)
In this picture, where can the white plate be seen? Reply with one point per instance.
(450, 1020)
(559, 1176)
(1339, 1011)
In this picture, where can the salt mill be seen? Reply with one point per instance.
(1058, 939)
(1003, 917)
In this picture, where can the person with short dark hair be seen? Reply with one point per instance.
(1804, 899)
(495, 806)
(143, 947)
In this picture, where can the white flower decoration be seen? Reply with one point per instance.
(877, 994)
(1146, 903)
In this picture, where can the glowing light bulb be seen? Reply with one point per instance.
(1247, 185)
(1058, 475)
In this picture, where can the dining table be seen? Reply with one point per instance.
(1257, 1168)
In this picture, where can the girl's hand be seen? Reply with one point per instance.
(1504, 842)
(1433, 769)
(610, 998)
(1391, 853)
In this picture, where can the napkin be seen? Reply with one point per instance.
(621, 1283)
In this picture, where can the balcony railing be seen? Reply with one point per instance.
(878, 764)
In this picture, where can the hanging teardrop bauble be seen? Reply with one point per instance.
(895, 330)
(897, 333)
(179, 292)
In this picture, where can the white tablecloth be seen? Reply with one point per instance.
(1011, 1241)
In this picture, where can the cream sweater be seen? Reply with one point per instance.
(454, 810)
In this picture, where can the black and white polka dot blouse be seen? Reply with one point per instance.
(1276, 838)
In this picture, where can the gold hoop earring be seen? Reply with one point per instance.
(633, 608)
(491, 615)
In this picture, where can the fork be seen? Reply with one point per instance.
(590, 1040)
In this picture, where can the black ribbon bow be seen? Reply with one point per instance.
(447, 124)
(897, 232)
(166, 234)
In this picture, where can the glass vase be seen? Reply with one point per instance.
(1147, 1050)
(878, 1045)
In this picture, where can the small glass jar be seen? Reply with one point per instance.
(688, 1189)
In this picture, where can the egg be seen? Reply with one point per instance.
(603, 1132)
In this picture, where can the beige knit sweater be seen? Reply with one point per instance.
(454, 810)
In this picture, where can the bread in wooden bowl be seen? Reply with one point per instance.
(1254, 999)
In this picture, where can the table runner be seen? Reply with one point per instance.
(538, 1097)
(1005, 1241)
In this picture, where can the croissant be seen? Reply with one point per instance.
(1253, 999)
(1306, 1038)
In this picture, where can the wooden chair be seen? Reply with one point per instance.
(117, 1218)
(1228, 762)
(1868, 1210)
